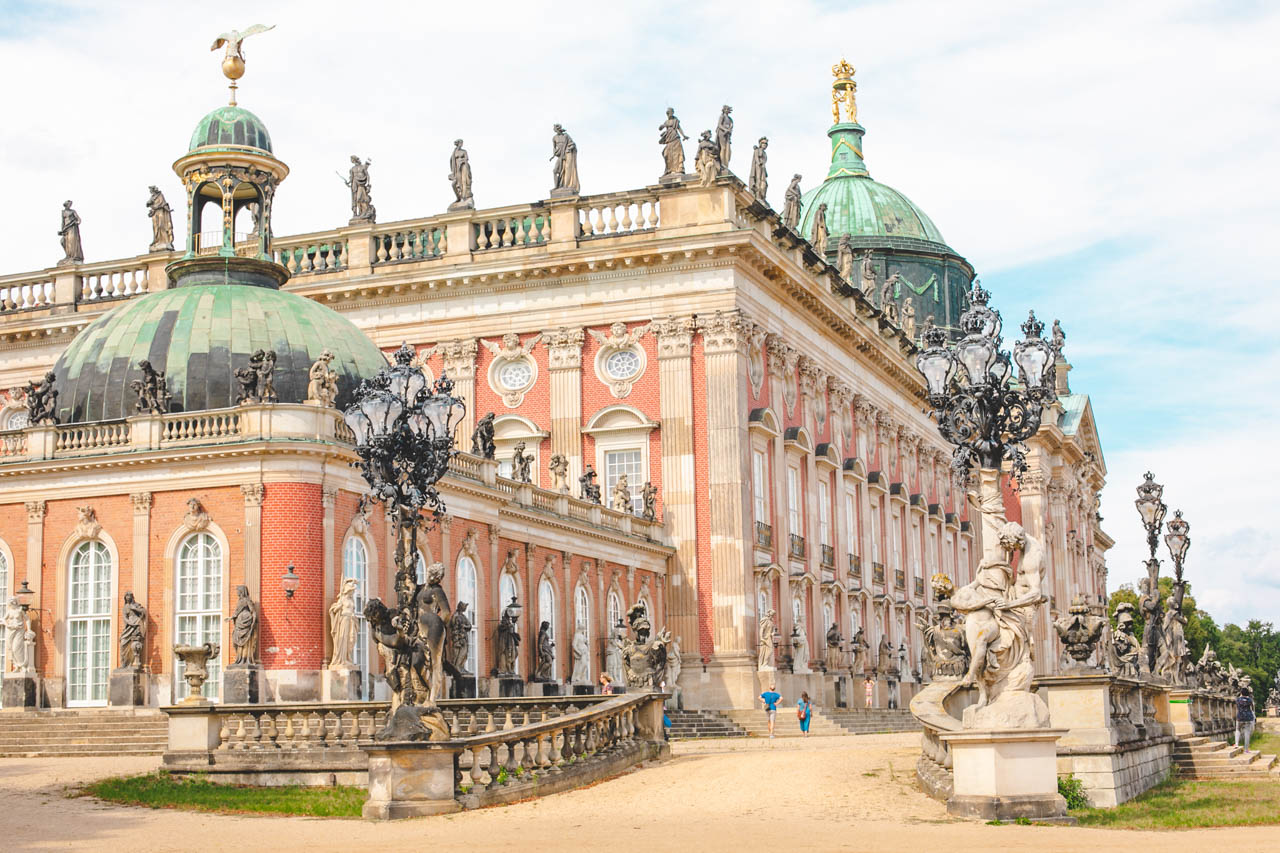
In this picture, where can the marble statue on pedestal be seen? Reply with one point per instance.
(161, 222)
(944, 643)
(133, 617)
(644, 660)
(460, 640)
(675, 663)
(671, 137)
(857, 647)
(834, 640)
(482, 438)
(758, 180)
(69, 233)
(322, 381)
(15, 631)
(884, 655)
(590, 488)
(343, 625)
(724, 135)
(559, 470)
(521, 464)
(791, 204)
(564, 171)
(507, 642)
(460, 178)
(581, 648)
(764, 645)
(361, 187)
(621, 498)
(706, 161)
(1124, 651)
(244, 627)
(544, 651)
(649, 495)
(800, 650)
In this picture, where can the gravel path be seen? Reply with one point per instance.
(838, 793)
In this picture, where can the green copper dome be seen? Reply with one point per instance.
(231, 127)
(198, 335)
(861, 207)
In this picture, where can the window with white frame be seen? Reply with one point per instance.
(915, 548)
(582, 619)
(355, 565)
(629, 461)
(824, 512)
(933, 551)
(895, 546)
(466, 591)
(506, 592)
(851, 523)
(615, 614)
(794, 517)
(760, 485)
(875, 532)
(762, 603)
(89, 624)
(199, 604)
(547, 613)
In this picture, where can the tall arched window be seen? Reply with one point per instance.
(547, 613)
(762, 603)
(466, 585)
(89, 624)
(506, 592)
(198, 605)
(355, 564)
(615, 614)
(582, 620)
(4, 594)
(828, 616)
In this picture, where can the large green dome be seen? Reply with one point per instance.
(860, 207)
(198, 335)
(231, 127)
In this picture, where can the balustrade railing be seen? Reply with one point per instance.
(13, 443)
(343, 433)
(764, 535)
(610, 216)
(418, 243)
(312, 257)
(465, 465)
(510, 230)
(899, 579)
(210, 243)
(877, 572)
(112, 283)
(91, 436)
(26, 295)
(797, 546)
(200, 426)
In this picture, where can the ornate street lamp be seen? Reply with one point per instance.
(1176, 658)
(404, 438)
(1152, 510)
(979, 408)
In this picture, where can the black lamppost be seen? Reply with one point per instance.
(978, 406)
(1178, 543)
(1152, 510)
(404, 438)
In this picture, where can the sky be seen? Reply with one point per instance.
(1107, 163)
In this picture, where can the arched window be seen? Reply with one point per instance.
(466, 585)
(355, 564)
(421, 570)
(828, 616)
(89, 624)
(582, 620)
(506, 592)
(762, 603)
(547, 613)
(198, 610)
(615, 613)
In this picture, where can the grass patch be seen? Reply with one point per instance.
(1267, 742)
(1187, 804)
(197, 793)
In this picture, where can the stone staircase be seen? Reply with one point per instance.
(694, 724)
(863, 721)
(1202, 758)
(83, 732)
(756, 723)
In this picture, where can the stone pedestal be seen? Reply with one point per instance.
(1179, 710)
(242, 684)
(341, 684)
(584, 689)
(547, 688)
(20, 691)
(1005, 775)
(410, 780)
(510, 687)
(193, 727)
(462, 688)
(128, 687)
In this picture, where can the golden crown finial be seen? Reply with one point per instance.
(843, 89)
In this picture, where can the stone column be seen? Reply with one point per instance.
(35, 559)
(782, 360)
(459, 358)
(253, 494)
(140, 582)
(328, 498)
(675, 403)
(725, 338)
(564, 360)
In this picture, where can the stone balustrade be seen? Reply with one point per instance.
(100, 282)
(308, 255)
(618, 213)
(25, 293)
(417, 241)
(79, 439)
(522, 227)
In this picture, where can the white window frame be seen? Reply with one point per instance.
(635, 484)
(824, 512)
(547, 613)
(467, 588)
(875, 531)
(582, 621)
(795, 515)
(355, 564)
(95, 558)
(760, 484)
(851, 522)
(209, 611)
(621, 428)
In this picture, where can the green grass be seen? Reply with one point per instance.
(1186, 804)
(1267, 742)
(162, 791)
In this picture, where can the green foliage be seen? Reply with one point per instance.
(1022, 821)
(160, 790)
(503, 776)
(1185, 804)
(996, 822)
(1071, 789)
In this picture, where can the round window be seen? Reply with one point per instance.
(18, 419)
(622, 364)
(515, 375)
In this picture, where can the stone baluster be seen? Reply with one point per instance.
(477, 768)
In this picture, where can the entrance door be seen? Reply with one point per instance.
(89, 625)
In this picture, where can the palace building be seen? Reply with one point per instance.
(684, 335)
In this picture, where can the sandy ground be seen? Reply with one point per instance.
(840, 793)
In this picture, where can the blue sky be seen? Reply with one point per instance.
(1107, 163)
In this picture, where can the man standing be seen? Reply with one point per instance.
(771, 698)
(1244, 717)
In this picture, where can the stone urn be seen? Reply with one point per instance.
(195, 660)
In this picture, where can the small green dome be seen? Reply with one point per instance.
(859, 206)
(231, 126)
(198, 335)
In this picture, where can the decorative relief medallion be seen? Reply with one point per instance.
(513, 371)
(620, 360)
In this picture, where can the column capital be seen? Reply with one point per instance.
(36, 511)
(812, 377)
(141, 502)
(675, 336)
(726, 332)
(459, 358)
(564, 348)
(328, 496)
(253, 493)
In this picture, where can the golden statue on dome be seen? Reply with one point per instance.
(233, 61)
(843, 90)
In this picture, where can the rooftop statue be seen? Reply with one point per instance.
(671, 137)
(69, 234)
(460, 178)
(818, 237)
(758, 180)
(844, 91)
(909, 318)
(322, 385)
(724, 135)
(42, 400)
(521, 464)
(649, 495)
(564, 171)
(161, 222)
(621, 498)
(590, 488)
(707, 161)
(152, 390)
(844, 257)
(559, 469)
(791, 205)
(362, 209)
(257, 380)
(482, 438)
(868, 273)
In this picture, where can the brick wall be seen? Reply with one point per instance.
(292, 629)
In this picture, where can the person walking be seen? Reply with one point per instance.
(804, 712)
(606, 683)
(771, 698)
(1244, 717)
